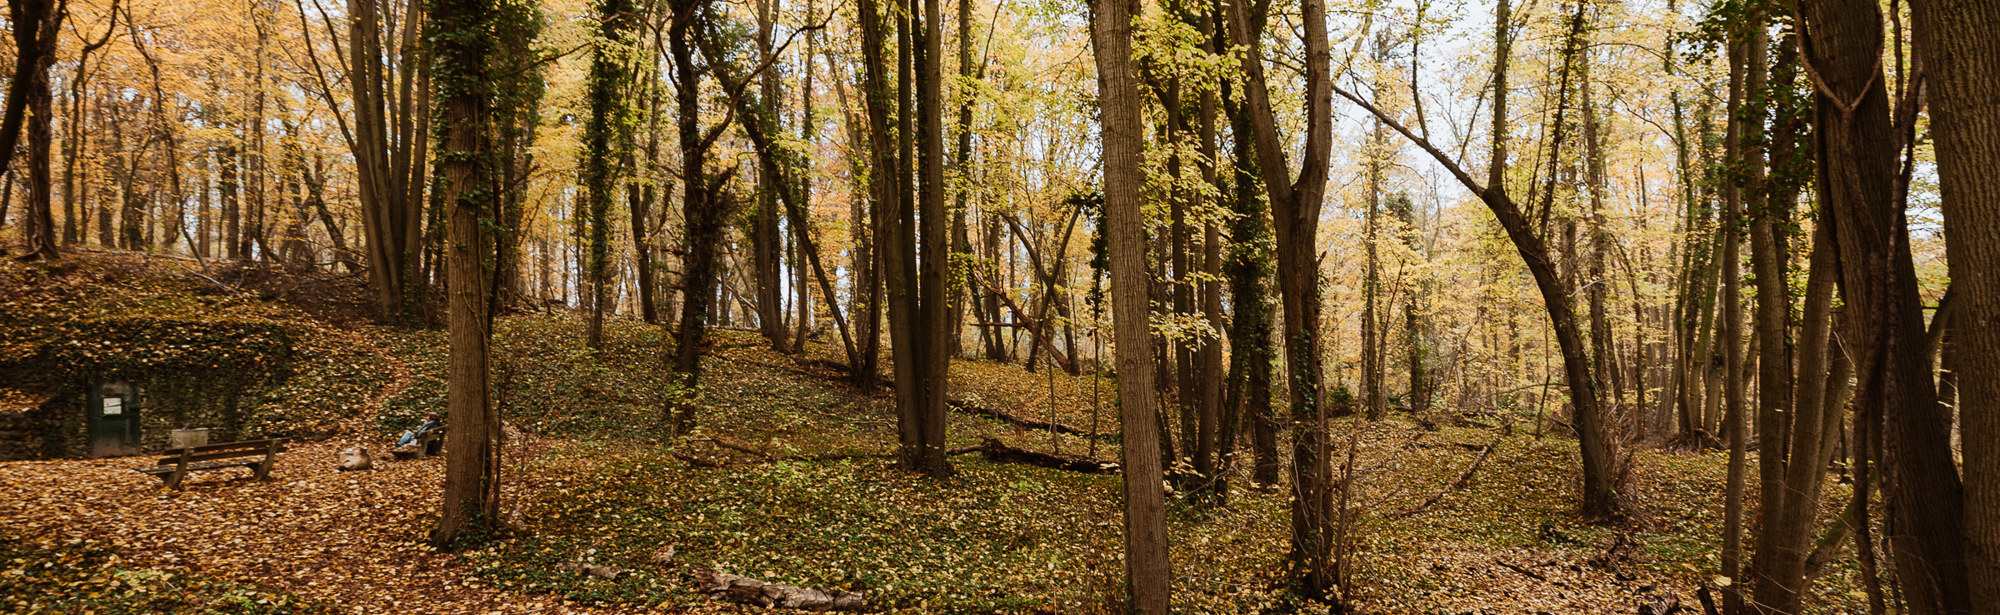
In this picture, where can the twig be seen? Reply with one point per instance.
(1531, 574)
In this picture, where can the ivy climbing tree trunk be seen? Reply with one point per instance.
(1295, 209)
(702, 208)
(464, 170)
(1249, 292)
(603, 147)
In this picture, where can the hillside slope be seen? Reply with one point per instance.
(787, 479)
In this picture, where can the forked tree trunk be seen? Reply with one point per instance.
(1295, 209)
(37, 25)
(1860, 182)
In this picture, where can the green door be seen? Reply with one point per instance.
(113, 408)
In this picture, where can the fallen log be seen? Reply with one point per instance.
(1455, 484)
(967, 407)
(745, 590)
(998, 452)
(1025, 423)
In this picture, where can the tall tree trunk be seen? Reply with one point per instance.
(1742, 184)
(1959, 42)
(1209, 376)
(389, 139)
(1146, 567)
(227, 191)
(1251, 354)
(766, 246)
(471, 488)
(1372, 370)
(961, 234)
(802, 250)
(37, 25)
(1415, 323)
(703, 209)
(75, 139)
(604, 145)
(1295, 208)
(1861, 182)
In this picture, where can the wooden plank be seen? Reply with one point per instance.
(248, 444)
(212, 456)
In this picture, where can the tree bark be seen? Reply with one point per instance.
(1860, 183)
(37, 26)
(1959, 41)
(604, 145)
(1295, 209)
(703, 208)
(1251, 354)
(471, 487)
(765, 244)
(1146, 567)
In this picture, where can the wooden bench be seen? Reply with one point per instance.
(257, 455)
(428, 445)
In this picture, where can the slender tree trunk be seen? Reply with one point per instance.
(1146, 567)
(1743, 183)
(1372, 370)
(765, 244)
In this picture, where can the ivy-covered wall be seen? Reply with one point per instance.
(190, 372)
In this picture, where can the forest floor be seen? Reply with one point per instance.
(590, 478)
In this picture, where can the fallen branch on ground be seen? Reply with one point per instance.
(745, 590)
(1455, 484)
(1530, 573)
